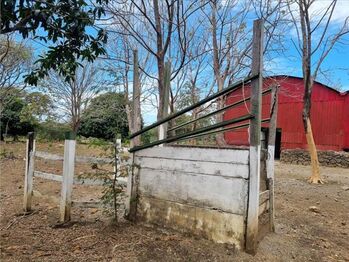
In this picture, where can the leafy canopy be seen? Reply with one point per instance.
(105, 117)
(67, 26)
(22, 112)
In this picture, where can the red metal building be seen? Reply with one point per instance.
(329, 115)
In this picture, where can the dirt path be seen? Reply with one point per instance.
(301, 234)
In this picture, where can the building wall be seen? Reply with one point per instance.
(198, 190)
(346, 121)
(329, 115)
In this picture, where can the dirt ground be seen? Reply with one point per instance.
(301, 234)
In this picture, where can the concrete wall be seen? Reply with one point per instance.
(198, 190)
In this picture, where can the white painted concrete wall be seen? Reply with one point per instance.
(200, 190)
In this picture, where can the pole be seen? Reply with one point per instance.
(68, 177)
(29, 172)
(255, 138)
(271, 154)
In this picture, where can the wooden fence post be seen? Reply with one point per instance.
(68, 177)
(271, 154)
(136, 120)
(255, 138)
(133, 178)
(29, 172)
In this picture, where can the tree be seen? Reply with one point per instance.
(38, 107)
(15, 61)
(66, 25)
(230, 36)
(23, 112)
(316, 39)
(72, 96)
(160, 29)
(105, 117)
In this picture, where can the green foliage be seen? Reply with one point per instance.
(105, 117)
(21, 112)
(64, 24)
(5, 154)
(113, 192)
(52, 131)
(10, 121)
(149, 136)
(37, 106)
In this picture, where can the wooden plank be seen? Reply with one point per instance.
(79, 159)
(235, 156)
(68, 176)
(226, 194)
(263, 208)
(263, 197)
(29, 170)
(77, 181)
(255, 137)
(96, 182)
(198, 167)
(48, 156)
(87, 204)
(48, 176)
(91, 159)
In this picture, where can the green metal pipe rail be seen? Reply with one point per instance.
(216, 112)
(223, 130)
(231, 88)
(212, 129)
(195, 132)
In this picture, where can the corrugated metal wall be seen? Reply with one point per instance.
(329, 115)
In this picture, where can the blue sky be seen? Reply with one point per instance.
(335, 66)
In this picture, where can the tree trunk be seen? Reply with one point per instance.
(219, 118)
(75, 124)
(315, 171)
(161, 75)
(6, 130)
(136, 112)
(217, 72)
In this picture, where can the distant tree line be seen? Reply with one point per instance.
(23, 112)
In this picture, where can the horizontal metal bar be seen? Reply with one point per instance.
(217, 111)
(189, 108)
(223, 130)
(194, 132)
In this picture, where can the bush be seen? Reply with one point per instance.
(52, 131)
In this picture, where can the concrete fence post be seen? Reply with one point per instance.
(68, 177)
(29, 172)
